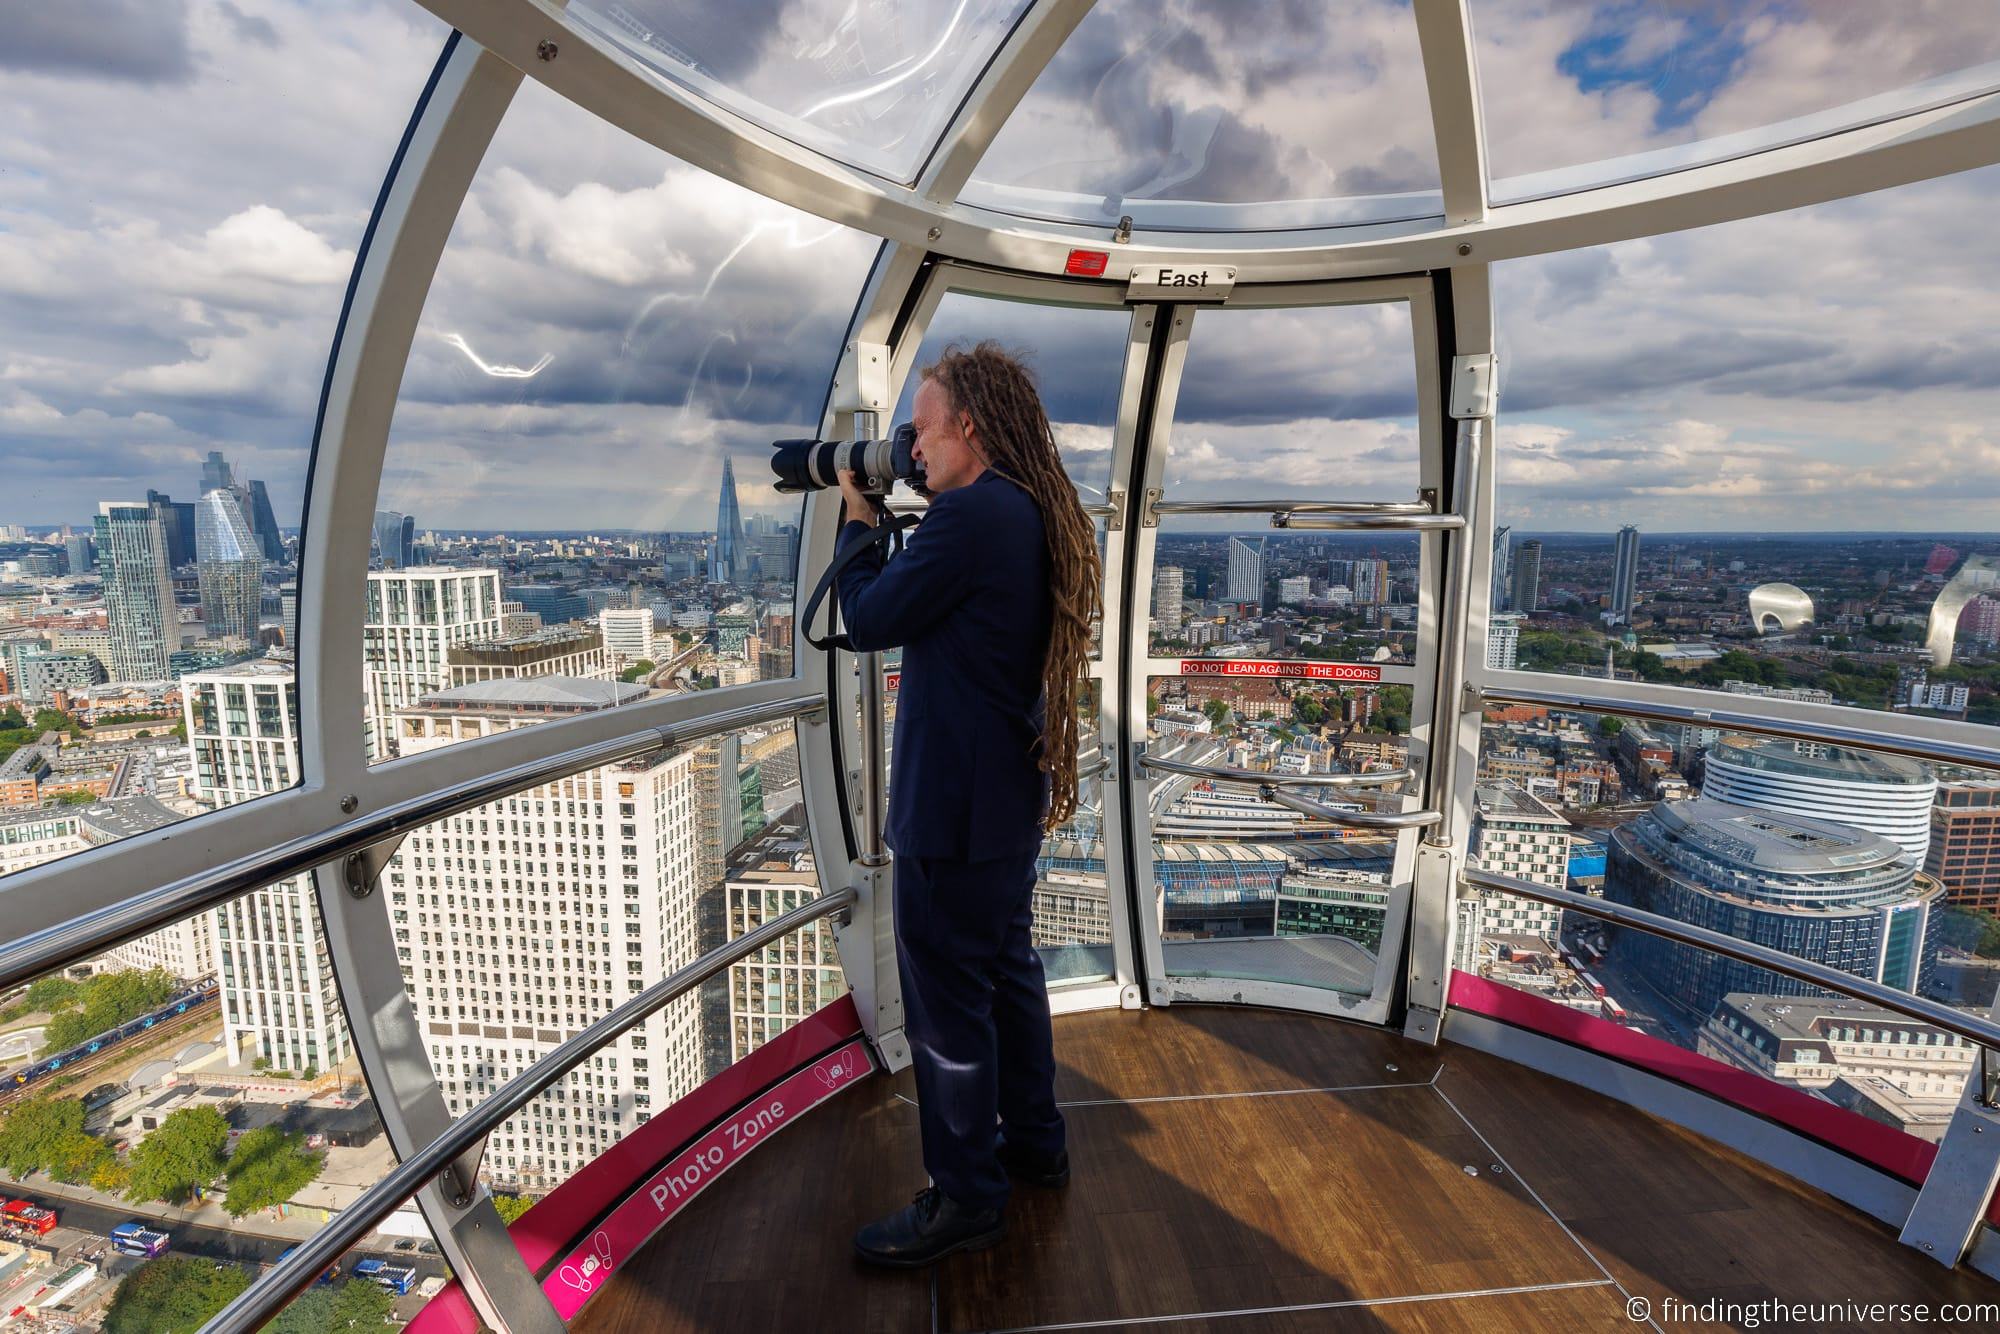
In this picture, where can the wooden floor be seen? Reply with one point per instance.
(1261, 1173)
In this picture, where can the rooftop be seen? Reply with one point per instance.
(1766, 843)
(1504, 801)
(1808, 760)
(536, 692)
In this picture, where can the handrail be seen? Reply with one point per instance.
(1728, 720)
(1974, 1029)
(299, 1270)
(1350, 819)
(83, 937)
(1223, 774)
(1096, 509)
(1418, 523)
(1091, 765)
(1385, 507)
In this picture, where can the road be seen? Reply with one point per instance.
(210, 1243)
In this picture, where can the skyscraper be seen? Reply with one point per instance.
(1503, 641)
(508, 953)
(1625, 575)
(288, 601)
(216, 474)
(177, 522)
(264, 523)
(77, 548)
(278, 993)
(1883, 794)
(230, 565)
(138, 590)
(1167, 596)
(1503, 564)
(728, 561)
(413, 620)
(1246, 570)
(1525, 587)
(395, 537)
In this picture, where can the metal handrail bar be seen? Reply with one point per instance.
(1417, 523)
(1222, 774)
(1973, 1028)
(1728, 720)
(91, 934)
(1091, 765)
(1350, 819)
(299, 1270)
(1095, 509)
(1389, 507)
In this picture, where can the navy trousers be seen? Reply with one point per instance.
(976, 1013)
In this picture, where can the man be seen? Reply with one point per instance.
(992, 601)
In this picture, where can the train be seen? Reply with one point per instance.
(396, 1278)
(198, 996)
(135, 1238)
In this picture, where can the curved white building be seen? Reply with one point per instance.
(1782, 608)
(1883, 794)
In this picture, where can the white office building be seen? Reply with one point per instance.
(1522, 836)
(1503, 641)
(1883, 794)
(628, 634)
(278, 996)
(414, 619)
(1246, 570)
(521, 922)
(1168, 589)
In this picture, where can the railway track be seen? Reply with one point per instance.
(131, 1050)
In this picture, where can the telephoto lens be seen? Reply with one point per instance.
(813, 465)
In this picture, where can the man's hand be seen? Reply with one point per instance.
(860, 509)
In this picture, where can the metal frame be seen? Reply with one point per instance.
(1935, 141)
(302, 1268)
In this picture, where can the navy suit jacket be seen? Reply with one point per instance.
(968, 601)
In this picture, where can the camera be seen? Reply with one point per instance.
(811, 465)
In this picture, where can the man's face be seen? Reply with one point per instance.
(947, 443)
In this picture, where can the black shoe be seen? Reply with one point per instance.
(926, 1230)
(1034, 1169)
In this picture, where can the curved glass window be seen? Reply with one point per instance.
(874, 85)
(1758, 457)
(1223, 117)
(578, 482)
(180, 203)
(1578, 93)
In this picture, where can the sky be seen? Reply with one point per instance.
(183, 184)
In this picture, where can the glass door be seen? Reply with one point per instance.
(1279, 643)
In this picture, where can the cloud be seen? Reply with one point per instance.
(137, 41)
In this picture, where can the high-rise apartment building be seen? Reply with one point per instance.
(1827, 892)
(1503, 641)
(414, 619)
(786, 981)
(1625, 575)
(628, 634)
(264, 524)
(1964, 850)
(1525, 586)
(78, 552)
(1246, 570)
(521, 922)
(177, 521)
(1522, 836)
(1884, 794)
(1369, 579)
(728, 559)
(230, 564)
(138, 590)
(1168, 584)
(1503, 565)
(395, 537)
(279, 1000)
(288, 602)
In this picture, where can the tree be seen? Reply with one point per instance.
(185, 1153)
(49, 994)
(1152, 704)
(75, 796)
(1308, 710)
(1608, 726)
(355, 1304)
(1217, 711)
(36, 1131)
(511, 1207)
(173, 1296)
(106, 1001)
(269, 1167)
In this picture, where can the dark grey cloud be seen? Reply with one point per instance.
(250, 27)
(140, 41)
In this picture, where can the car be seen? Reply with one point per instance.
(427, 1248)
(406, 1244)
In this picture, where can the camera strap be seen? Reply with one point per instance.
(889, 527)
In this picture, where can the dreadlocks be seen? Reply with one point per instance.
(997, 391)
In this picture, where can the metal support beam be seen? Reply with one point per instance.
(1956, 1196)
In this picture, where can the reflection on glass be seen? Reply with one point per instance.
(1315, 403)
(522, 922)
(1077, 355)
(1072, 903)
(873, 85)
(1185, 115)
(578, 481)
(1253, 890)
(1872, 864)
(177, 1113)
(1796, 509)
(1583, 92)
